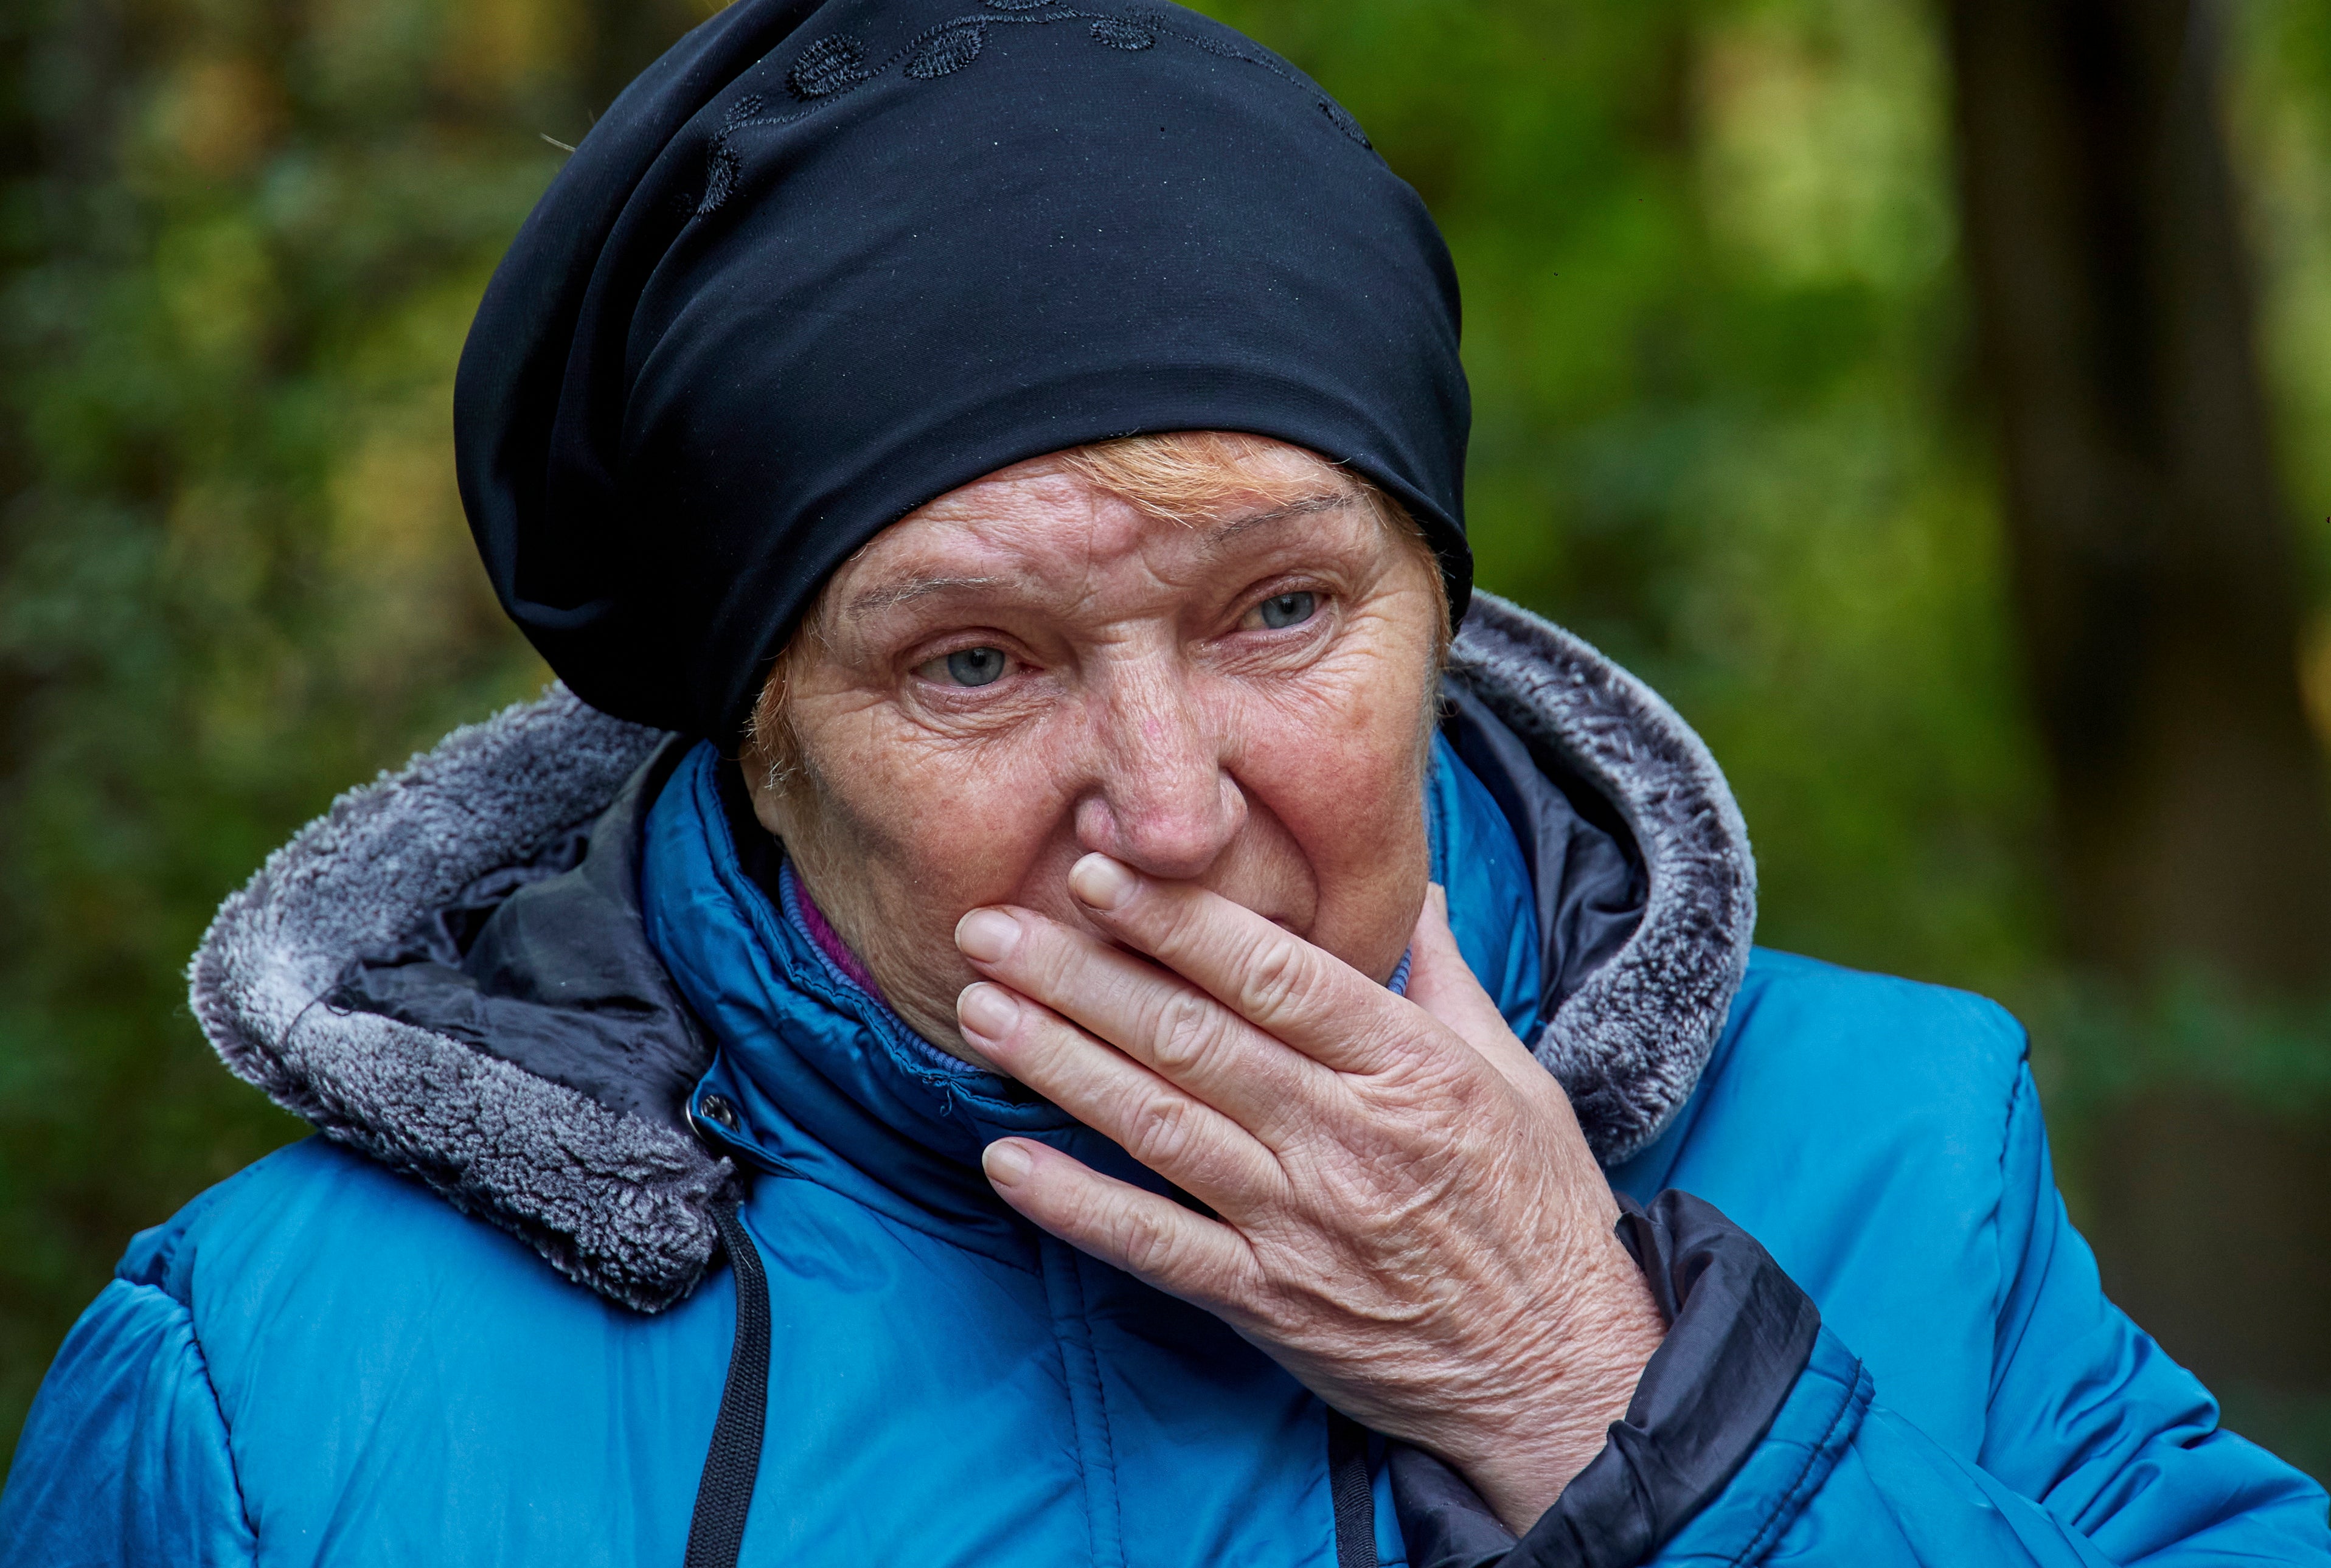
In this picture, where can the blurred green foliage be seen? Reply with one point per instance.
(243, 242)
(1725, 430)
(1715, 339)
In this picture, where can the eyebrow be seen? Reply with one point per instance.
(1301, 507)
(892, 595)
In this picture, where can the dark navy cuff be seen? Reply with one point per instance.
(1739, 1332)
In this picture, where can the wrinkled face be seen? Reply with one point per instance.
(1031, 667)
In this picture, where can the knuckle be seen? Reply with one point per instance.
(1274, 982)
(1045, 959)
(1280, 982)
(1180, 921)
(1145, 1242)
(1161, 1130)
(1188, 1028)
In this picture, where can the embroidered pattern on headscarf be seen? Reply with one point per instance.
(829, 67)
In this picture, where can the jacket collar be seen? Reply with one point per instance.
(543, 1089)
(1628, 1043)
(817, 1077)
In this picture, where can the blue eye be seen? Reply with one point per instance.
(1287, 610)
(975, 666)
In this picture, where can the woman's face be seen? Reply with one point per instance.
(1030, 668)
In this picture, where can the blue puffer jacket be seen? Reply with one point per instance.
(550, 1039)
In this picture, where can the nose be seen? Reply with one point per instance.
(1162, 799)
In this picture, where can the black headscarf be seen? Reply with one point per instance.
(825, 261)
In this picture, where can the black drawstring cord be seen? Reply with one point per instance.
(716, 1535)
(1355, 1493)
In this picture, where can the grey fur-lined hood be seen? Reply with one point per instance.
(597, 1171)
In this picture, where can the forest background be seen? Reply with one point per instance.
(1931, 397)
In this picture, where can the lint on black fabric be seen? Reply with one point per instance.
(825, 261)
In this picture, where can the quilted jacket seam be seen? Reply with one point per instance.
(226, 1427)
(1792, 1499)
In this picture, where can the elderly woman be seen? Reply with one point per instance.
(1054, 993)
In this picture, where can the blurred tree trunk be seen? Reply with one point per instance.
(2159, 597)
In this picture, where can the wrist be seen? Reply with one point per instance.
(1740, 1334)
(1559, 1412)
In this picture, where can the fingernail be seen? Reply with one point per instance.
(1008, 1164)
(1102, 882)
(987, 1011)
(987, 936)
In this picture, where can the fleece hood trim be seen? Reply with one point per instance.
(1629, 1043)
(589, 1160)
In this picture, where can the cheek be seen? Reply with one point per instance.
(1347, 787)
(1337, 761)
(933, 824)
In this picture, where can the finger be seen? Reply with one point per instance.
(1154, 1239)
(1182, 1138)
(1158, 1018)
(1275, 980)
(1441, 983)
